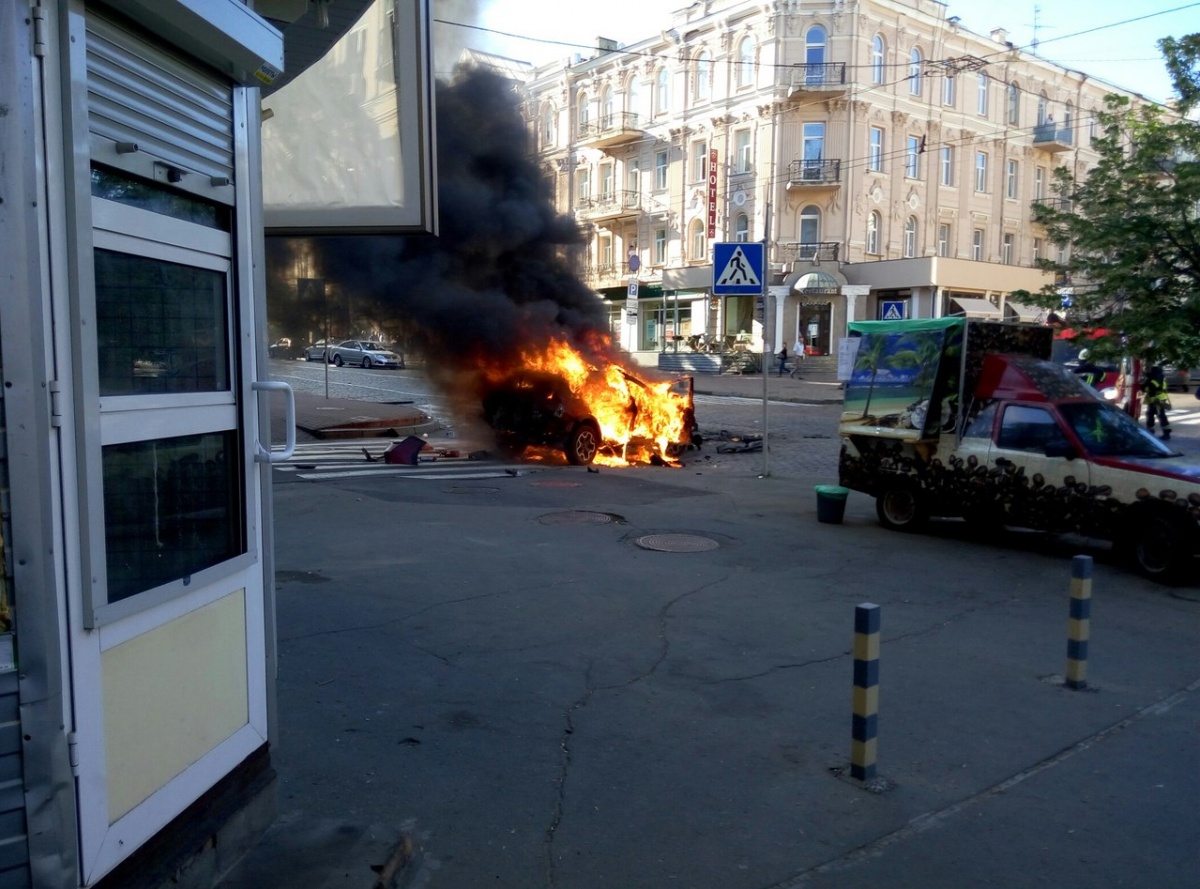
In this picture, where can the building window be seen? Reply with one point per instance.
(1039, 183)
(582, 113)
(633, 177)
(981, 172)
(741, 141)
(662, 91)
(1043, 110)
(549, 131)
(1038, 250)
(877, 55)
(583, 180)
(875, 150)
(981, 102)
(873, 232)
(810, 228)
(949, 88)
(947, 165)
(699, 240)
(745, 62)
(633, 97)
(910, 237)
(606, 109)
(1014, 104)
(606, 180)
(813, 137)
(914, 72)
(977, 245)
(660, 246)
(814, 55)
(741, 228)
(660, 170)
(912, 155)
(703, 78)
(605, 254)
(699, 161)
(1006, 248)
(943, 240)
(1012, 179)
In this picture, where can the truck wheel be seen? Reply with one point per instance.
(899, 507)
(1161, 547)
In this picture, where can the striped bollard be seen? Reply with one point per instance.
(1080, 622)
(866, 691)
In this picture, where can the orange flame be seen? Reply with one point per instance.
(639, 419)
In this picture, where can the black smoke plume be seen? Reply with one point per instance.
(496, 279)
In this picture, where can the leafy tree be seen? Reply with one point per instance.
(1131, 224)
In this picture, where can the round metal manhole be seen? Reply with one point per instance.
(555, 483)
(576, 517)
(676, 543)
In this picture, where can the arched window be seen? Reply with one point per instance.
(745, 62)
(873, 232)
(703, 77)
(549, 127)
(1043, 111)
(810, 231)
(814, 55)
(1014, 104)
(699, 240)
(741, 228)
(981, 102)
(582, 113)
(633, 96)
(910, 237)
(877, 55)
(914, 72)
(606, 108)
(662, 91)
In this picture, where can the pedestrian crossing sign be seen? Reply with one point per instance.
(891, 310)
(737, 269)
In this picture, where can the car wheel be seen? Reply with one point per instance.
(366, 363)
(898, 506)
(582, 444)
(1161, 547)
(337, 359)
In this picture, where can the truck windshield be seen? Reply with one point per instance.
(1107, 431)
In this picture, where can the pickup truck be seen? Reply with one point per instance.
(954, 418)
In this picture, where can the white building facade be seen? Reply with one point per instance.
(886, 155)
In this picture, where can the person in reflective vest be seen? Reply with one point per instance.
(1157, 400)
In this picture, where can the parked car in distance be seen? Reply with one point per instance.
(364, 354)
(1178, 378)
(283, 348)
(316, 352)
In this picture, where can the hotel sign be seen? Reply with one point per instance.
(712, 193)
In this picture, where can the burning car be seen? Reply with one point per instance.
(606, 415)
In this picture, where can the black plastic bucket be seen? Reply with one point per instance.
(831, 503)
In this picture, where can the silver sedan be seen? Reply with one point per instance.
(364, 354)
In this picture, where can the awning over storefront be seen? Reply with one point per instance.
(1022, 312)
(817, 282)
(974, 308)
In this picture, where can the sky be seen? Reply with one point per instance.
(1124, 54)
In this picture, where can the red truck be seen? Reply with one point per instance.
(957, 418)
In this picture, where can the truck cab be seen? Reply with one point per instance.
(945, 417)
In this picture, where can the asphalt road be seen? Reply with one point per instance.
(488, 661)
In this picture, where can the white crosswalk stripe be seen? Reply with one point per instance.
(1185, 416)
(324, 460)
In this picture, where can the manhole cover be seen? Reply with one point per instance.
(575, 517)
(676, 543)
(555, 483)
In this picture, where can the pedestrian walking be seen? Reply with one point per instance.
(1157, 400)
(782, 359)
(798, 355)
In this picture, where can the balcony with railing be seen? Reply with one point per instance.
(809, 174)
(1049, 136)
(618, 128)
(610, 205)
(1060, 205)
(603, 276)
(816, 252)
(812, 80)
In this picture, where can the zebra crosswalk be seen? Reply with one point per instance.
(1185, 416)
(326, 460)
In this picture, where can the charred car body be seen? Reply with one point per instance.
(540, 409)
(948, 417)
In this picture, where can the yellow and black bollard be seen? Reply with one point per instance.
(1079, 624)
(866, 692)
